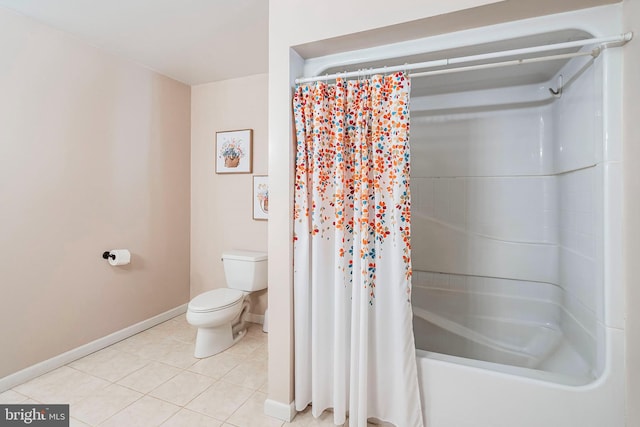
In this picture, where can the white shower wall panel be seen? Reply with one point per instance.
(514, 190)
(517, 209)
(482, 205)
(580, 219)
(487, 285)
(577, 129)
(515, 141)
(440, 247)
(583, 332)
(610, 311)
(577, 277)
(577, 211)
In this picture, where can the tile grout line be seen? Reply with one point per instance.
(108, 418)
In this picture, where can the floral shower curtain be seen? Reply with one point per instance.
(354, 345)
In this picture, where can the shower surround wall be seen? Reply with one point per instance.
(518, 244)
(511, 188)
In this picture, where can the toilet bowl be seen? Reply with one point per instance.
(215, 313)
(220, 314)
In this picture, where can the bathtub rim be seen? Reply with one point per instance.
(514, 373)
(444, 384)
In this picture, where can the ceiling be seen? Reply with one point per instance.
(193, 41)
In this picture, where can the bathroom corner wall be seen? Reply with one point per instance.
(94, 155)
(221, 204)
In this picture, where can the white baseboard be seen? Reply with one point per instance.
(55, 362)
(255, 318)
(278, 410)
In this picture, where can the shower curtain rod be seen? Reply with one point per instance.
(601, 42)
(594, 53)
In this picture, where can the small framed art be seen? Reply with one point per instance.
(234, 151)
(260, 197)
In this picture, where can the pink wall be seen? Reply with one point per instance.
(221, 204)
(94, 154)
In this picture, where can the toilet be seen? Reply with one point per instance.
(219, 314)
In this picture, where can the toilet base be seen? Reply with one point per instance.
(210, 341)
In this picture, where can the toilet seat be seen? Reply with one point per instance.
(215, 300)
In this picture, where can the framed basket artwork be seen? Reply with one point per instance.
(260, 197)
(234, 151)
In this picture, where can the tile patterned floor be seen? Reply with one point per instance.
(152, 379)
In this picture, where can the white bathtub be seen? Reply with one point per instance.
(459, 392)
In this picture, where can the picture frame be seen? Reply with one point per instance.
(234, 151)
(260, 197)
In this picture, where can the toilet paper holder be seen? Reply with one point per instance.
(117, 257)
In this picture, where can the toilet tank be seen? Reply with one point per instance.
(245, 270)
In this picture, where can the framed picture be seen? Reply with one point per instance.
(234, 151)
(260, 197)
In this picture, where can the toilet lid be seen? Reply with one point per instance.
(216, 299)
